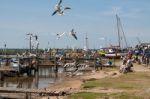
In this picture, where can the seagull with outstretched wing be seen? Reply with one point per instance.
(59, 9)
(60, 35)
(73, 33)
(60, 1)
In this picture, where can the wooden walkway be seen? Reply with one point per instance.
(29, 92)
(6, 68)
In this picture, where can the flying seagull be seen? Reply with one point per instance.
(60, 35)
(59, 9)
(73, 33)
(36, 37)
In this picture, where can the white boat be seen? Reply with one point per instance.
(116, 51)
(115, 55)
(15, 64)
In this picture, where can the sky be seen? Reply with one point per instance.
(94, 18)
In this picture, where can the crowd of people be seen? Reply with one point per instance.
(140, 56)
(127, 63)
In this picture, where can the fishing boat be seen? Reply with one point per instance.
(112, 52)
(116, 51)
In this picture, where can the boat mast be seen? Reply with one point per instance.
(118, 30)
(123, 33)
(86, 41)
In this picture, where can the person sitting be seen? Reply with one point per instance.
(109, 62)
(127, 67)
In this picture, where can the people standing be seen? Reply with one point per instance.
(98, 64)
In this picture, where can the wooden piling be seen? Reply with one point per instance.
(1, 76)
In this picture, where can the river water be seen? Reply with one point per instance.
(47, 77)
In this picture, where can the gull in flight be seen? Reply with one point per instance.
(59, 9)
(60, 35)
(73, 33)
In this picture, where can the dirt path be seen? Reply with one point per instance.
(141, 68)
(73, 84)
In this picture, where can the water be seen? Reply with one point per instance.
(46, 77)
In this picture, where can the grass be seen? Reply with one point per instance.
(128, 81)
(135, 85)
(87, 95)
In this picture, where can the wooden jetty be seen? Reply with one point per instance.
(28, 92)
(6, 68)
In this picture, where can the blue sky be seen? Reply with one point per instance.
(94, 17)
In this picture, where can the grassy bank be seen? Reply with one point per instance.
(134, 85)
(87, 95)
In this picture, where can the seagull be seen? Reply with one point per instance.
(73, 33)
(59, 9)
(60, 35)
(36, 37)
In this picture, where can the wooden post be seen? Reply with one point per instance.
(26, 95)
(56, 66)
(50, 52)
(0, 63)
(1, 76)
(95, 61)
(37, 68)
(5, 50)
(114, 61)
(55, 62)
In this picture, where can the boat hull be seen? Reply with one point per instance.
(115, 55)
